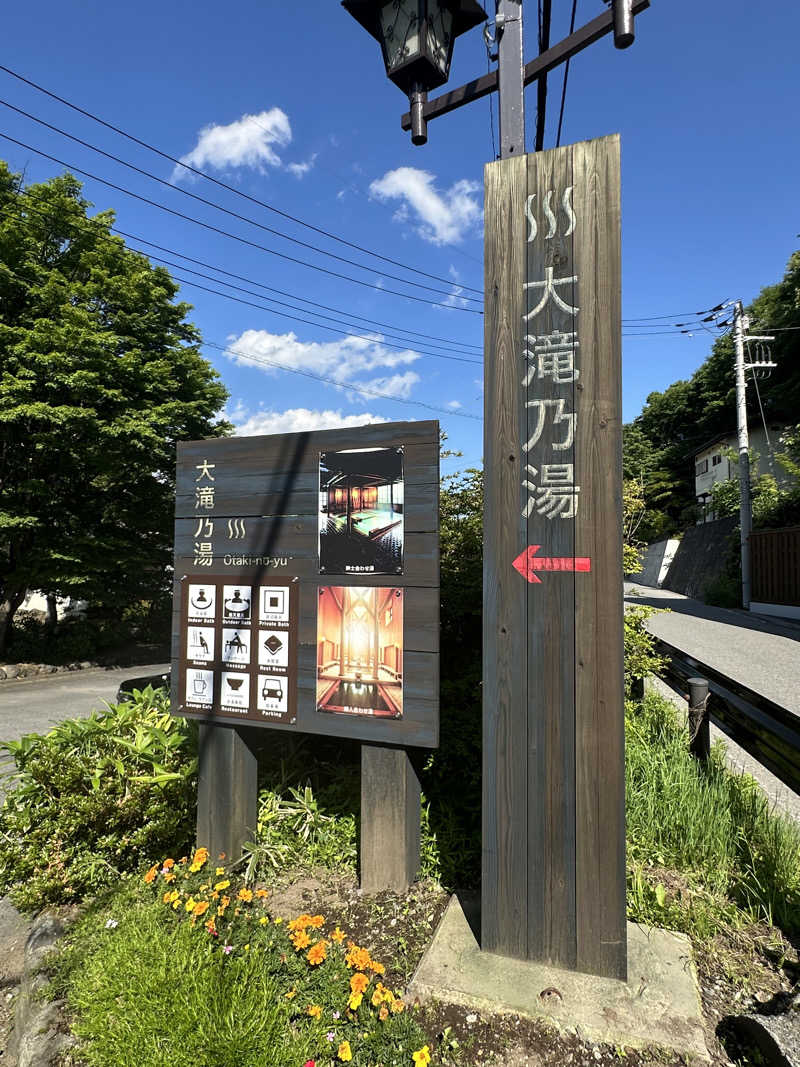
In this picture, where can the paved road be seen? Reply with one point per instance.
(33, 705)
(759, 651)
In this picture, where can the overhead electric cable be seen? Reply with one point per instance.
(222, 184)
(217, 229)
(566, 76)
(453, 346)
(225, 210)
(340, 384)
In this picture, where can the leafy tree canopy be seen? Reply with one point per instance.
(660, 443)
(100, 375)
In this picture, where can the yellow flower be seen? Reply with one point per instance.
(383, 1014)
(376, 968)
(151, 874)
(314, 1010)
(278, 921)
(190, 903)
(222, 885)
(359, 983)
(317, 953)
(169, 896)
(246, 895)
(345, 1052)
(316, 921)
(247, 947)
(290, 994)
(177, 902)
(355, 1001)
(169, 876)
(397, 1006)
(198, 859)
(219, 870)
(338, 935)
(263, 920)
(422, 1057)
(200, 908)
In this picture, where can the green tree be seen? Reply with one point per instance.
(100, 375)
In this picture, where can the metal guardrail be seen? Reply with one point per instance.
(768, 731)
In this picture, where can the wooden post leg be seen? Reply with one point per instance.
(390, 814)
(227, 791)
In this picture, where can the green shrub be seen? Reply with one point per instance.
(641, 658)
(95, 797)
(724, 591)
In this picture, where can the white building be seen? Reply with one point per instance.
(711, 464)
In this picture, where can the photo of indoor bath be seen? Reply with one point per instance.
(361, 511)
(360, 651)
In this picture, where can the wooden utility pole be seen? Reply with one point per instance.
(553, 885)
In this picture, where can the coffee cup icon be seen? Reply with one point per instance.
(199, 685)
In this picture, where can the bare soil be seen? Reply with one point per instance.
(749, 969)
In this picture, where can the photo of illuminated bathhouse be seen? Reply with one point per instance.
(360, 651)
(361, 511)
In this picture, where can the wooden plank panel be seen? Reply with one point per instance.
(390, 819)
(551, 604)
(505, 786)
(600, 782)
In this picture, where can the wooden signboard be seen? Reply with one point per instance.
(554, 825)
(307, 582)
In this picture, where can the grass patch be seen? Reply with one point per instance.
(192, 968)
(715, 828)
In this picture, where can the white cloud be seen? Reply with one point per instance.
(444, 217)
(299, 170)
(347, 363)
(454, 299)
(296, 420)
(250, 141)
(454, 404)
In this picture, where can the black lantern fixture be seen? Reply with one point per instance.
(416, 37)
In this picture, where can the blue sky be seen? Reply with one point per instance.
(289, 104)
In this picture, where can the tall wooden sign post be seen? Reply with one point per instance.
(553, 886)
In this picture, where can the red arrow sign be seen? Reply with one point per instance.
(527, 562)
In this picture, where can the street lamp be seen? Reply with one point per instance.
(416, 37)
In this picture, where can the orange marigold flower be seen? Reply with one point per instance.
(169, 864)
(317, 953)
(169, 876)
(151, 874)
(383, 1014)
(300, 923)
(183, 859)
(245, 894)
(200, 908)
(358, 959)
(314, 1010)
(261, 893)
(301, 940)
(338, 935)
(316, 921)
(359, 983)
(397, 1006)
(355, 1001)
(376, 968)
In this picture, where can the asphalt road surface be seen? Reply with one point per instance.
(34, 705)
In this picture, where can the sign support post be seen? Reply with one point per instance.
(390, 816)
(227, 789)
(553, 878)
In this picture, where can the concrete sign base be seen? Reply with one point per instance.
(658, 1005)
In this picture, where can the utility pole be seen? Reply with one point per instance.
(745, 507)
(510, 77)
(740, 324)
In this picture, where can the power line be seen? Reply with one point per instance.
(353, 387)
(216, 229)
(222, 184)
(341, 385)
(219, 207)
(371, 322)
(566, 76)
